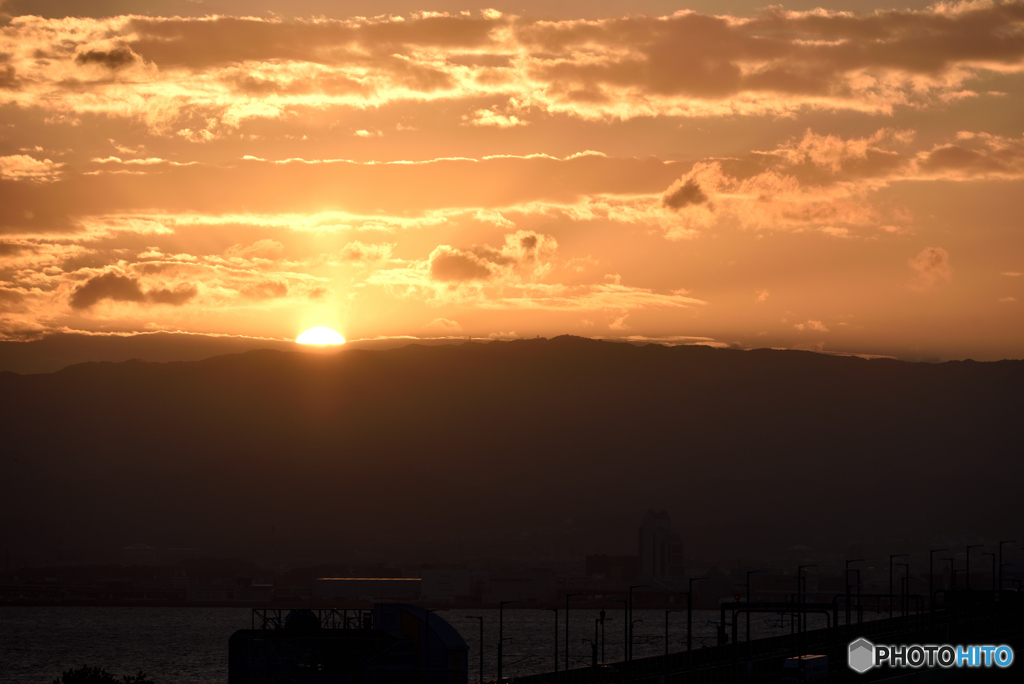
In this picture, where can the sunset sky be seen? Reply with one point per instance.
(846, 178)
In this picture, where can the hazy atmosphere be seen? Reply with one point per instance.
(843, 179)
(360, 342)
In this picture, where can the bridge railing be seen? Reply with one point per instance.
(960, 622)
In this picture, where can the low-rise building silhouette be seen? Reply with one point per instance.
(392, 644)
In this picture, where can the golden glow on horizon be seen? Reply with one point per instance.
(320, 336)
(498, 176)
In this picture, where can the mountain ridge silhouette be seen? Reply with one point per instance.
(419, 451)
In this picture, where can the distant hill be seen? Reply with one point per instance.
(530, 448)
(59, 350)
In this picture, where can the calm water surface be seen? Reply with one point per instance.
(191, 644)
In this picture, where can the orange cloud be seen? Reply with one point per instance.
(240, 157)
(261, 249)
(487, 117)
(619, 323)
(770, 200)
(852, 157)
(683, 193)
(816, 326)
(24, 167)
(973, 156)
(512, 277)
(524, 254)
(202, 77)
(358, 251)
(121, 288)
(930, 267)
(447, 264)
(444, 325)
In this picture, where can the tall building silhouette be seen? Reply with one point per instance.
(661, 549)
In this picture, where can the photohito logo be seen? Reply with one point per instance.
(863, 655)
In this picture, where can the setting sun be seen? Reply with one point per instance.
(609, 258)
(320, 336)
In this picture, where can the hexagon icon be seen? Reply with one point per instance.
(861, 655)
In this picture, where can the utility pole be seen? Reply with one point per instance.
(625, 624)
(1008, 541)
(969, 547)
(667, 612)
(593, 652)
(567, 597)
(800, 594)
(931, 578)
(689, 616)
(555, 611)
(891, 556)
(749, 573)
(904, 592)
(635, 622)
(860, 606)
(629, 649)
(846, 581)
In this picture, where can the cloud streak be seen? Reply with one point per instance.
(229, 70)
(390, 176)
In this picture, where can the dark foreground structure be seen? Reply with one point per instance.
(396, 643)
(961, 618)
(392, 644)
